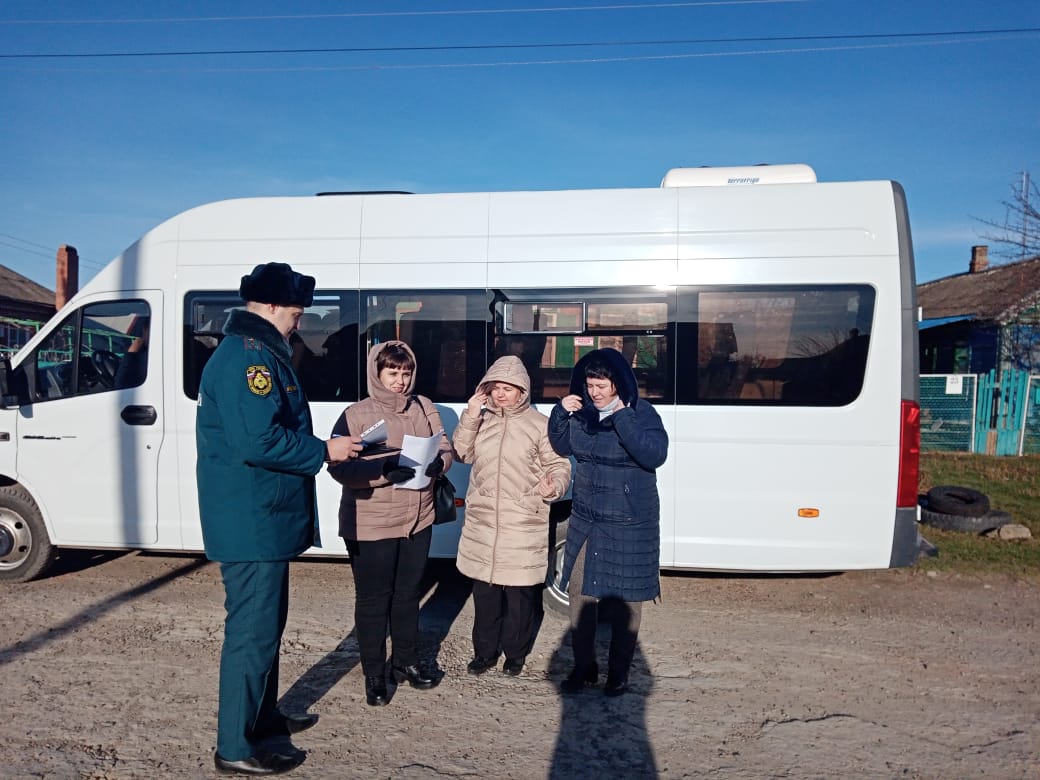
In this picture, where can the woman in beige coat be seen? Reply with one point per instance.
(388, 530)
(505, 539)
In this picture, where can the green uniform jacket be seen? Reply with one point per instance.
(257, 455)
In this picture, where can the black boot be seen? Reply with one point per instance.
(481, 663)
(415, 676)
(579, 678)
(375, 690)
(616, 685)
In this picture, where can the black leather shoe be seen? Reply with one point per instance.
(513, 666)
(615, 685)
(294, 724)
(265, 764)
(579, 678)
(481, 663)
(375, 690)
(284, 725)
(415, 676)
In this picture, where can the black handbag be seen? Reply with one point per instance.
(443, 490)
(443, 501)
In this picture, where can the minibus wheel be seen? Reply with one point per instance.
(555, 598)
(25, 548)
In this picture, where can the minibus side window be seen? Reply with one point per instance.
(325, 348)
(98, 348)
(445, 328)
(324, 351)
(784, 345)
(550, 330)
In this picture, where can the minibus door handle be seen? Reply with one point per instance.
(139, 415)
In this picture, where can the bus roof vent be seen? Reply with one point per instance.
(794, 173)
(366, 192)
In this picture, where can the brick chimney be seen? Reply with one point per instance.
(68, 275)
(979, 259)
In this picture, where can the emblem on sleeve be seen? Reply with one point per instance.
(258, 378)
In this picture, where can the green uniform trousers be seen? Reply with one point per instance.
(257, 603)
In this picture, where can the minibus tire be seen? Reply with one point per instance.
(555, 598)
(971, 525)
(26, 551)
(954, 500)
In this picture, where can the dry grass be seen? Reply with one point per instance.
(1013, 485)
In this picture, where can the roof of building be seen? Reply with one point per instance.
(996, 294)
(17, 287)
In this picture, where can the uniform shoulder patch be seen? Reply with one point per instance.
(258, 379)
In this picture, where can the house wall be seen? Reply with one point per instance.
(959, 348)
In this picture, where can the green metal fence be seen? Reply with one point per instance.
(948, 404)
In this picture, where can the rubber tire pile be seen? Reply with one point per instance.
(954, 508)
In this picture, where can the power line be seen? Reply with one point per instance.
(24, 241)
(517, 63)
(391, 14)
(516, 46)
(26, 251)
(49, 251)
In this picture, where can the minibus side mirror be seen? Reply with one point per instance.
(11, 382)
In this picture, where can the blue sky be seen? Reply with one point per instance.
(94, 151)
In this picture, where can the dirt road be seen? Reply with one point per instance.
(109, 670)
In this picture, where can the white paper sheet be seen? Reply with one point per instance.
(419, 453)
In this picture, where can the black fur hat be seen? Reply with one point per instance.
(279, 284)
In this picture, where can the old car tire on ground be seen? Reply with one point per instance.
(975, 525)
(25, 548)
(955, 500)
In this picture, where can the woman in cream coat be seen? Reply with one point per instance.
(505, 539)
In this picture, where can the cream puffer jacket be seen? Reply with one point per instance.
(371, 508)
(505, 537)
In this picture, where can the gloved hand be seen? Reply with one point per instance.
(436, 467)
(397, 473)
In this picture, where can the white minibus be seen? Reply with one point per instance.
(770, 319)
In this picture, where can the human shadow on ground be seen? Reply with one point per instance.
(602, 736)
(96, 611)
(444, 592)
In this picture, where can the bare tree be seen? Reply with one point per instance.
(1018, 236)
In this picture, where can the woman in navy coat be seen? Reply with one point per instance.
(613, 546)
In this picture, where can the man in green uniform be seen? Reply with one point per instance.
(257, 458)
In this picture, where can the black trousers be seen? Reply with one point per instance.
(505, 617)
(624, 616)
(257, 603)
(387, 575)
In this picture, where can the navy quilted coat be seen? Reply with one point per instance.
(616, 508)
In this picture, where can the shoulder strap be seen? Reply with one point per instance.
(429, 420)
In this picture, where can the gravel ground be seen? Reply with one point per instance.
(109, 670)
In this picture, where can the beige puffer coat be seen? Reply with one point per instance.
(505, 537)
(371, 508)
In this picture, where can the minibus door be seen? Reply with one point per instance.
(89, 438)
